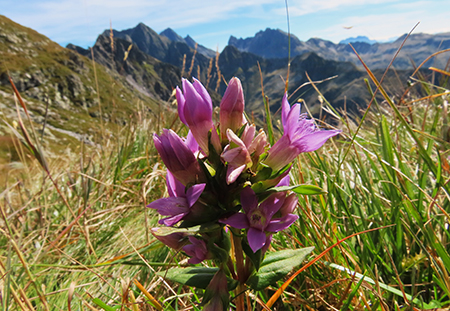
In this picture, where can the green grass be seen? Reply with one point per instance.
(76, 237)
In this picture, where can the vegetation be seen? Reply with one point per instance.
(75, 232)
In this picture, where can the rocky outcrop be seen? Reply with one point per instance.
(143, 72)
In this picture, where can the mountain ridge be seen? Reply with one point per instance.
(272, 43)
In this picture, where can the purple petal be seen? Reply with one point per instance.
(170, 221)
(258, 144)
(285, 180)
(178, 158)
(173, 240)
(249, 200)
(285, 108)
(235, 155)
(234, 172)
(201, 90)
(291, 125)
(181, 103)
(174, 186)
(194, 261)
(314, 140)
(248, 135)
(232, 107)
(281, 154)
(181, 150)
(189, 249)
(256, 239)
(282, 223)
(192, 143)
(238, 221)
(170, 206)
(289, 204)
(272, 204)
(266, 246)
(193, 193)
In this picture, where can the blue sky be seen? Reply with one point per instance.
(212, 22)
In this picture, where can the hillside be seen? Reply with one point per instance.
(66, 94)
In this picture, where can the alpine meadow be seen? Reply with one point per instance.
(149, 172)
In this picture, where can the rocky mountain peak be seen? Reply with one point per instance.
(358, 39)
(171, 35)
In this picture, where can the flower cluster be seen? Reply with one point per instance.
(228, 175)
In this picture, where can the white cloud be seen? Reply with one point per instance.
(74, 19)
(303, 7)
(80, 21)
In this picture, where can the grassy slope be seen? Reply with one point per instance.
(24, 51)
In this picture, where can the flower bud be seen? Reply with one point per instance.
(173, 240)
(195, 110)
(216, 295)
(178, 158)
(232, 108)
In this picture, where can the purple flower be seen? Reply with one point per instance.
(289, 205)
(258, 218)
(173, 240)
(178, 158)
(236, 156)
(193, 145)
(243, 152)
(258, 146)
(179, 204)
(300, 135)
(197, 250)
(232, 108)
(195, 110)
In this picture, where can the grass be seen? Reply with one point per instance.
(75, 232)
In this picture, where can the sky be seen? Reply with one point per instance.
(211, 23)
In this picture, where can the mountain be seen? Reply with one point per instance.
(357, 39)
(144, 73)
(177, 52)
(64, 91)
(274, 44)
(270, 43)
(347, 90)
(173, 36)
(170, 34)
(145, 38)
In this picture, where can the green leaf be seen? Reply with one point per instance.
(254, 257)
(352, 294)
(268, 120)
(103, 305)
(301, 189)
(276, 266)
(198, 277)
(264, 172)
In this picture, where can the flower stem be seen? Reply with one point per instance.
(240, 268)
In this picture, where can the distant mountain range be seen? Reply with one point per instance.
(357, 39)
(321, 59)
(138, 64)
(241, 61)
(272, 43)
